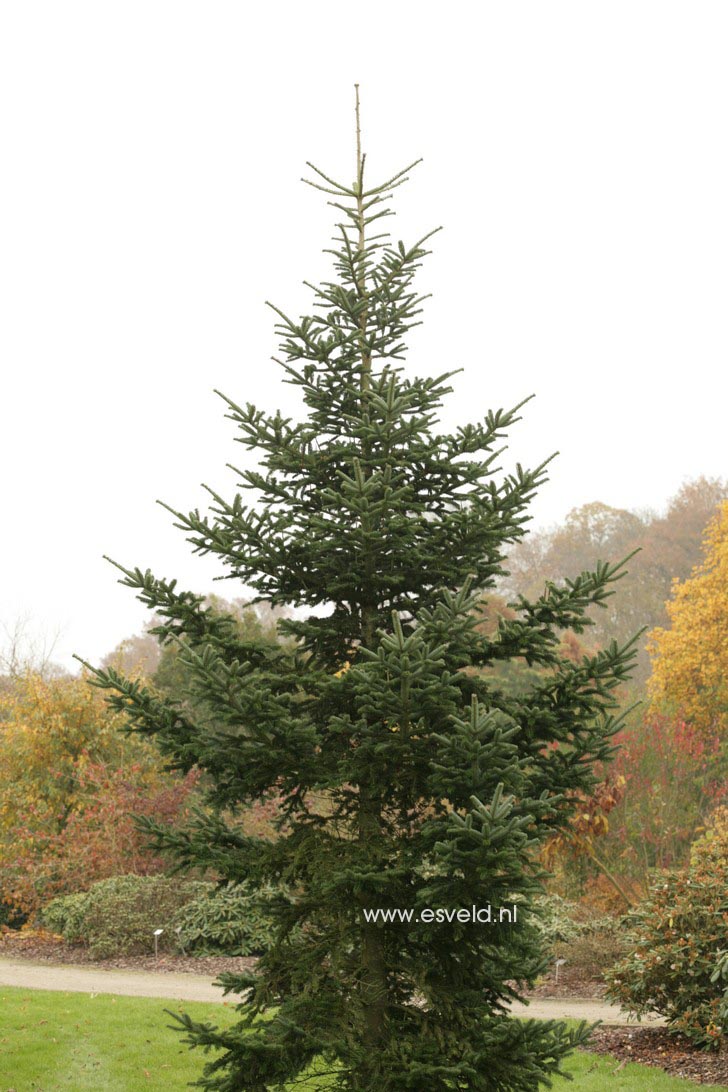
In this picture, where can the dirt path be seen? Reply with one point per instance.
(195, 987)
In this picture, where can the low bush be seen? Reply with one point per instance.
(720, 976)
(589, 944)
(597, 947)
(64, 915)
(680, 928)
(118, 916)
(230, 920)
(555, 919)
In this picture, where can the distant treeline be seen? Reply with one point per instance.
(669, 547)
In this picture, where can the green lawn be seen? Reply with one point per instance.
(80, 1041)
(51, 1040)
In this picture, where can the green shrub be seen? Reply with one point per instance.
(118, 916)
(720, 975)
(681, 927)
(64, 915)
(555, 919)
(230, 920)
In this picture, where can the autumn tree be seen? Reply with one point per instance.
(591, 531)
(672, 779)
(667, 548)
(98, 840)
(674, 544)
(440, 786)
(137, 656)
(654, 798)
(690, 658)
(70, 783)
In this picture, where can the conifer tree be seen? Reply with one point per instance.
(410, 781)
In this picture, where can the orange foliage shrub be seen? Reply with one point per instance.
(70, 783)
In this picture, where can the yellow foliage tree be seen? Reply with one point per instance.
(690, 659)
(62, 755)
(49, 730)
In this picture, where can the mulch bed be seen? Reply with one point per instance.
(653, 1046)
(571, 983)
(42, 947)
(647, 1045)
(662, 1049)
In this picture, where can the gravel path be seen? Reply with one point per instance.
(575, 1008)
(77, 979)
(195, 987)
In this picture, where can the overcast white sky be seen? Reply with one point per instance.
(576, 154)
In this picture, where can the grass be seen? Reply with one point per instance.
(51, 1040)
(598, 1072)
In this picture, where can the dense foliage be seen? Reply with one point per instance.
(233, 919)
(666, 779)
(70, 784)
(690, 673)
(671, 770)
(680, 930)
(118, 916)
(674, 777)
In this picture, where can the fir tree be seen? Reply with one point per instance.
(410, 780)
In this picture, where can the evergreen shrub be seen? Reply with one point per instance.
(64, 915)
(230, 920)
(680, 929)
(118, 916)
